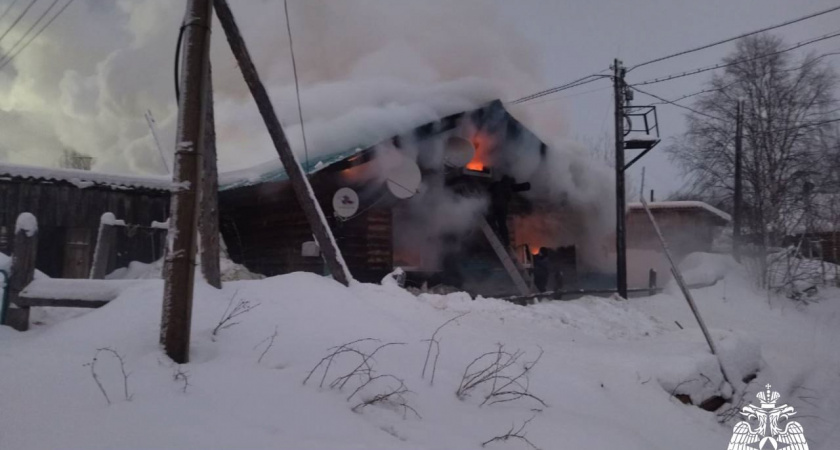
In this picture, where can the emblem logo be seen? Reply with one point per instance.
(767, 433)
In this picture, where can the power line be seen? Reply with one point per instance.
(777, 130)
(705, 91)
(38, 33)
(703, 47)
(297, 84)
(8, 8)
(740, 61)
(579, 82)
(670, 102)
(570, 95)
(28, 31)
(25, 10)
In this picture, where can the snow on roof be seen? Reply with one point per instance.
(84, 178)
(687, 204)
(274, 171)
(365, 136)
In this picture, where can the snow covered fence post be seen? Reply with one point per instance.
(303, 190)
(105, 240)
(179, 265)
(22, 270)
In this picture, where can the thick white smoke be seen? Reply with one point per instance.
(368, 69)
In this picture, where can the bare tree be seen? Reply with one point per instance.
(787, 106)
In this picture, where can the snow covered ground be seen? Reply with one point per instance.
(606, 373)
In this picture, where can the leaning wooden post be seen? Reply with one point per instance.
(303, 190)
(105, 243)
(22, 270)
(179, 266)
(686, 293)
(208, 223)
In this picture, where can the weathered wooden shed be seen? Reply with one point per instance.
(69, 204)
(687, 226)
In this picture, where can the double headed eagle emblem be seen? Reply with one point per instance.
(767, 435)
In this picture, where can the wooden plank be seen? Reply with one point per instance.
(105, 246)
(60, 302)
(509, 264)
(208, 223)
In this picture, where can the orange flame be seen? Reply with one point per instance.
(477, 162)
(475, 165)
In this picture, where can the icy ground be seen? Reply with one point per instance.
(607, 371)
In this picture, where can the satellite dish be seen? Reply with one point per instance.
(404, 180)
(458, 152)
(345, 203)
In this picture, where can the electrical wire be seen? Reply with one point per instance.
(677, 104)
(28, 31)
(724, 41)
(733, 63)
(25, 10)
(178, 45)
(9, 60)
(777, 130)
(297, 84)
(8, 8)
(576, 94)
(579, 82)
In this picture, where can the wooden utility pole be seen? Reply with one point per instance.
(620, 230)
(737, 206)
(179, 268)
(22, 270)
(208, 224)
(300, 184)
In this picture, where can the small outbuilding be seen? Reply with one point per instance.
(68, 205)
(687, 226)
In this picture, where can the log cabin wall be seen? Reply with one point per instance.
(68, 222)
(264, 229)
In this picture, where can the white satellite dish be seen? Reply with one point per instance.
(458, 152)
(404, 180)
(345, 203)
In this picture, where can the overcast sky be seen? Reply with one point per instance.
(367, 68)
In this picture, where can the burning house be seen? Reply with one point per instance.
(464, 201)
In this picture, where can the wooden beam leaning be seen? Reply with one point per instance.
(22, 270)
(208, 224)
(675, 271)
(179, 266)
(303, 190)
